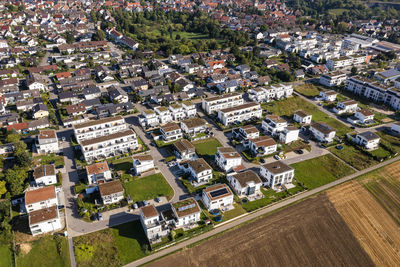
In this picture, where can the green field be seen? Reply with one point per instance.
(354, 157)
(149, 187)
(44, 252)
(319, 171)
(207, 147)
(308, 90)
(123, 164)
(287, 107)
(6, 258)
(190, 35)
(390, 141)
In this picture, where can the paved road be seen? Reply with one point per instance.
(256, 214)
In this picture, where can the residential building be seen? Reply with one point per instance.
(40, 111)
(177, 112)
(111, 192)
(45, 175)
(98, 172)
(228, 159)
(151, 223)
(189, 109)
(246, 132)
(214, 104)
(322, 132)
(303, 117)
(289, 135)
(109, 145)
(164, 114)
(240, 113)
(97, 128)
(47, 142)
(328, 96)
(194, 126)
(184, 150)
(149, 118)
(263, 145)
(217, 196)
(277, 174)
(273, 124)
(346, 61)
(273, 92)
(395, 127)
(199, 171)
(369, 140)
(171, 131)
(333, 79)
(44, 220)
(40, 198)
(364, 116)
(186, 212)
(246, 183)
(142, 163)
(347, 106)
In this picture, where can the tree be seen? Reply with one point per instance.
(3, 188)
(15, 180)
(99, 35)
(13, 137)
(69, 37)
(353, 71)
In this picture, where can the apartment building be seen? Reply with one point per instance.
(186, 212)
(246, 132)
(97, 128)
(184, 150)
(142, 163)
(194, 126)
(45, 175)
(149, 118)
(152, 223)
(333, 79)
(164, 114)
(273, 92)
(273, 124)
(171, 131)
(109, 145)
(214, 104)
(47, 142)
(240, 113)
(289, 134)
(346, 61)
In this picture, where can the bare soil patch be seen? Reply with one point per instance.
(25, 248)
(376, 231)
(310, 233)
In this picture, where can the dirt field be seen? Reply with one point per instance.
(377, 232)
(310, 233)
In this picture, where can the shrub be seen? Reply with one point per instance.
(84, 252)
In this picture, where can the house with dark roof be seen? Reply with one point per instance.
(277, 174)
(111, 192)
(246, 183)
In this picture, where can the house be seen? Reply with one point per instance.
(289, 135)
(40, 198)
(118, 95)
(171, 131)
(273, 124)
(40, 111)
(322, 132)
(92, 92)
(246, 132)
(246, 183)
(263, 145)
(347, 106)
(111, 192)
(303, 117)
(151, 223)
(44, 220)
(148, 118)
(45, 175)
(333, 79)
(369, 140)
(328, 96)
(277, 174)
(199, 171)
(47, 142)
(98, 172)
(217, 196)
(227, 158)
(142, 163)
(240, 113)
(75, 110)
(395, 127)
(184, 150)
(164, 114)
(186, 212)
(36, 81)
(194, 126)
(364, 116)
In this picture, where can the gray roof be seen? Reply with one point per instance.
(369, 135)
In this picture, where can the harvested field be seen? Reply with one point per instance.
(310, 233)
(377, 232)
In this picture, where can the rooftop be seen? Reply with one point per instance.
(97, 168)
(217, 191)
(277, 167)
(97, 122)
(186, 207)
(44, 171)
(107, 137)
(149, 211)
(199, 165)
(47, 134)
(111, 188)
(246, 177)
(43, 215)
(41, 194)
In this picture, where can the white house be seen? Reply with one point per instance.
(97, 128)
(41, 198)
(322, 132)
(396, 127)
(184, 150)
(240, 113)
(164, 114)
(171, 131)
(98, 172)
(246, 132)
(347, 106)
(333, 79)
(289, 134)
(44, 220)
(273, 124)
(214, 104)
(246, 183)
(302, 117)
(368, 139)
(149, 118)
(186, 212)
(277, 174)
(328, 96)
(111, 192)
(177, 112)
(151, 223)
(142, 163)
(193, 126)
(217, 196)
(227, 158)
(47, 142)
(364, 116)
(199, 170)
(263, 145)
(45, 175)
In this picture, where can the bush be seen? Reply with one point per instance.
(84, 252)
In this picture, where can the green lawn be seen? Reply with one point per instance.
(51, 158)
(190, 35)
(44, 252)
(287, 107)
(149, 187)
(124, 164)
(319, 171)
(6, 256)
(308, 90)
(207, 147)
(336, 11)
(228, 215)
(380, 153)
(354, 157)
(390, 141)
(218, 177)
(130, 240)
(270, 196)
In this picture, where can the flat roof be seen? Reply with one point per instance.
(96, 122)
(44, 170)
(217, 191)
(247, 176)
(186, 207)
(47, 134)
(107, 137)
(149, 211)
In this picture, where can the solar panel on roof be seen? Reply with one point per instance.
(219, 192)
(187, 207)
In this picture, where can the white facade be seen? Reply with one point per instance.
(47, 142)
(44, 221)
(289, 134)
(322, 132)
(277, 174)
(97, 128)
(240, 113)
(348, 106)
(143, 163)
(227, 158)
(396, 127)
(214, 104)
(45, 175)
(245, 183)
(302, 117)
(200, 171)
(149, 118)
(332, 79)
(217, 202)
(111, 192)
(98, 172)
(263, 145)
(328, 96)
(364, 116)
(273, 125)
(186, 211)
(369, 140)
(41, 198)
(164, 114)
(266, 94)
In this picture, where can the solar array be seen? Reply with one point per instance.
(219, 192)
(186, 207)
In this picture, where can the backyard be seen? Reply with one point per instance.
(353, 156)
(50, 159)
(316, 172)
(148, 187)
(390, 141)
(207, 147)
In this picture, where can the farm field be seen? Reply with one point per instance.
(374, 228)
(354, 157)
(310, 233)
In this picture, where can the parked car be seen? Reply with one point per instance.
(262, 160)
(277, 157)
(140, 204)
(145, 203)
(299, 151)
(157, 199)
(99, 216)
(135, 206)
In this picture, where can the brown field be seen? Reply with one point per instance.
(377, 232)
(310, 233)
